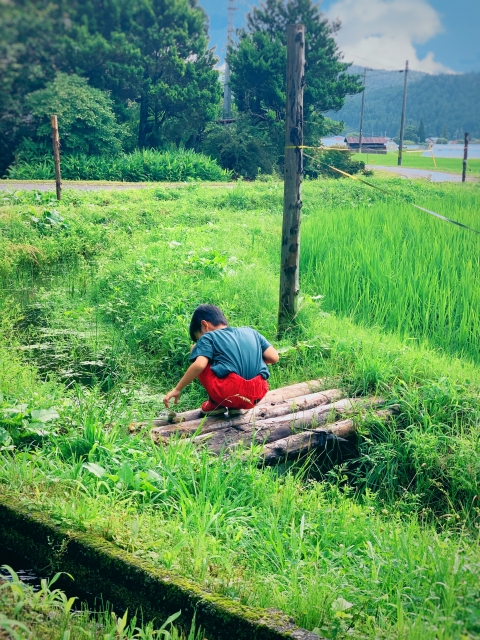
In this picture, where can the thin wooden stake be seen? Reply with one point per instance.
(292, 204)
(56, 155)
(465, 158)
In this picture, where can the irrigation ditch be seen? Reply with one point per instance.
(118, 577)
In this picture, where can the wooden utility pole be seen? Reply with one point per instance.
(465, 158)
(292, 201)
(404, 107)
(56, 155)
(363, 109)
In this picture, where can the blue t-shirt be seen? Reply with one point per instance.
(233, 350)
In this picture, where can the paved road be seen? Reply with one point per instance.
(47, 185)
(434, 176)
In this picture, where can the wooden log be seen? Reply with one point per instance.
(261, 412)
(300, 444)
(273, 397)
(292, 391)
(284, 426)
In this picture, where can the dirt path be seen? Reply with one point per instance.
(433, 176)
(92, 185)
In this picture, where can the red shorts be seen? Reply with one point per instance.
(233, 391)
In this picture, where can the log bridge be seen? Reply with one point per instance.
(287, 424)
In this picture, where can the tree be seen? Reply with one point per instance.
(29, 47)
(444, 132)
(421, 131)
(151, 55)
(86, 120)
(257, 62)
(154, 52)
(410, 133)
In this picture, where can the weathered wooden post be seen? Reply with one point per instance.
(292, 203)
(465, 158)
(56, 155)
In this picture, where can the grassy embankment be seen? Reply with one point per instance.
(417, 161)
(48, 613)
(385, 548)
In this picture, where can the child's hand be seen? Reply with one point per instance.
(174, 393)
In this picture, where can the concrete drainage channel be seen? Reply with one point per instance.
(116, 576)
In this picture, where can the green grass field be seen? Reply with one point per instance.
(96, 296)
(417, 161)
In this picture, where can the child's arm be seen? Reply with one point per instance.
(193, 371)
(270, 355)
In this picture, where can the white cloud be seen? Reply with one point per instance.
(382, 34)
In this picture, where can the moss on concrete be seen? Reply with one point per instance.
(101, 568)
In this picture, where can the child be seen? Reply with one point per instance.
(231, 363)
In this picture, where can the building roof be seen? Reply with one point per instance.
(365, 140)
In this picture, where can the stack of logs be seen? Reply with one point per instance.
(288, 423)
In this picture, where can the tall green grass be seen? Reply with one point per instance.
(131, 267)
(139, 166)
(385, 263)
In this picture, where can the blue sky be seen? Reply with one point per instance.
(435, 35)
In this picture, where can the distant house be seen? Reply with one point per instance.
(369, 145)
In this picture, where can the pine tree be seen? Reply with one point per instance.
(258, 60)
(421, 131)
(444, 132)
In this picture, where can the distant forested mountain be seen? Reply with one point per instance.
(447, 103)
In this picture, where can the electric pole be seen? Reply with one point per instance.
(363, 109)
(227, 92)
(404, 106)
(292, 199)
(465, 158)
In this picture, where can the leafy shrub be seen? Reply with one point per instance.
(241, 147)
(86, 119)
(139, 166)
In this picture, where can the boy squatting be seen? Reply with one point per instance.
(230, 362)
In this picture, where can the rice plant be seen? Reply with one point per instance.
(385, 263)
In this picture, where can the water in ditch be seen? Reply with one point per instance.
(30, 576)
